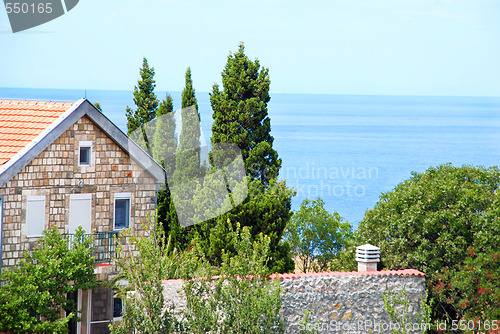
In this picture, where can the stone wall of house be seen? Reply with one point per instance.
(55, 173)
(338, 302)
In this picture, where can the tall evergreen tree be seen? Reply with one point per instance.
(241, 118)
(240, 115)
(188, 93)
(188, 154)
(164, 147)
(146, 102)
(185, 179)
(164, 141)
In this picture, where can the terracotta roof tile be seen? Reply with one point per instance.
(355, 273)
(409, 272)
(23, 121)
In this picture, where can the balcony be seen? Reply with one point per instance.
(104, 245)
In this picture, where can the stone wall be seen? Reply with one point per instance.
(347, 302)
(338, 302)
(55, 174)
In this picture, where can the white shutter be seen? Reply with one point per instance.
(80, 212)
(35, 216)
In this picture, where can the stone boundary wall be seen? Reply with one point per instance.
(338, 302)
(348, 302)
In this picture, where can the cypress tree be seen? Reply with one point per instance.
(240, 117)
(188, 93)
(188, 154)
(145, 101)
(164, 141)
(164, 148)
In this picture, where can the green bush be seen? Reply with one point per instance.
(446, 223)
(39, 286)
(242, 299)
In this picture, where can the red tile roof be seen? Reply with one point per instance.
(356, 273)
(22, 121)
(409, 272)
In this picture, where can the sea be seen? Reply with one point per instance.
(345, 149)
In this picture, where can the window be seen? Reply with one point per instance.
(85, 155)
(35, 216)
(117, 307)
(122, 211)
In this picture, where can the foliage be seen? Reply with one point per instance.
(188, 171)
(39, 286)
(144, 99)
(157, 136)
(144, 262)
(97, 106)
(444, 222)
(240, 115)
(242, 299)
(345, 260)
(265, 211)
(397, 305)
(164, 140)
(316, 236)
(188, 153)
(241, 118)
(164, 148)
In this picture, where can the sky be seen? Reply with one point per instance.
(360, 47)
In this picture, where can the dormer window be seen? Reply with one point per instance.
(85, 155)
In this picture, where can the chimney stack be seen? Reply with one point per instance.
(367, 256)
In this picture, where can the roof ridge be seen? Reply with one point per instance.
(20, 99)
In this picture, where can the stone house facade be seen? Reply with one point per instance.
(66, 164)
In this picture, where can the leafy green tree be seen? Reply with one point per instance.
(444, 222)
(240, 115)
(146, 260)
(242, 299)
(241, 118)
(39, 286)
(316, 236)
(145, 101)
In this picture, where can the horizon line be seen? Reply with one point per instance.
(273, 93)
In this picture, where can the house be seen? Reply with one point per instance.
(66, 164)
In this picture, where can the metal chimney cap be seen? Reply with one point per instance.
(368, 247)
(367, 253)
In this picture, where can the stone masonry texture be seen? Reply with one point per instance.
(55, 173)
(338, 302)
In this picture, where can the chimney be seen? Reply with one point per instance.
(367, 256)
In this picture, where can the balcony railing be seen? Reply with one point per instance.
(104, 245)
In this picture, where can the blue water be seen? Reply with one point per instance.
(347, 149)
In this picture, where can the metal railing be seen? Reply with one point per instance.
(104, 245)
